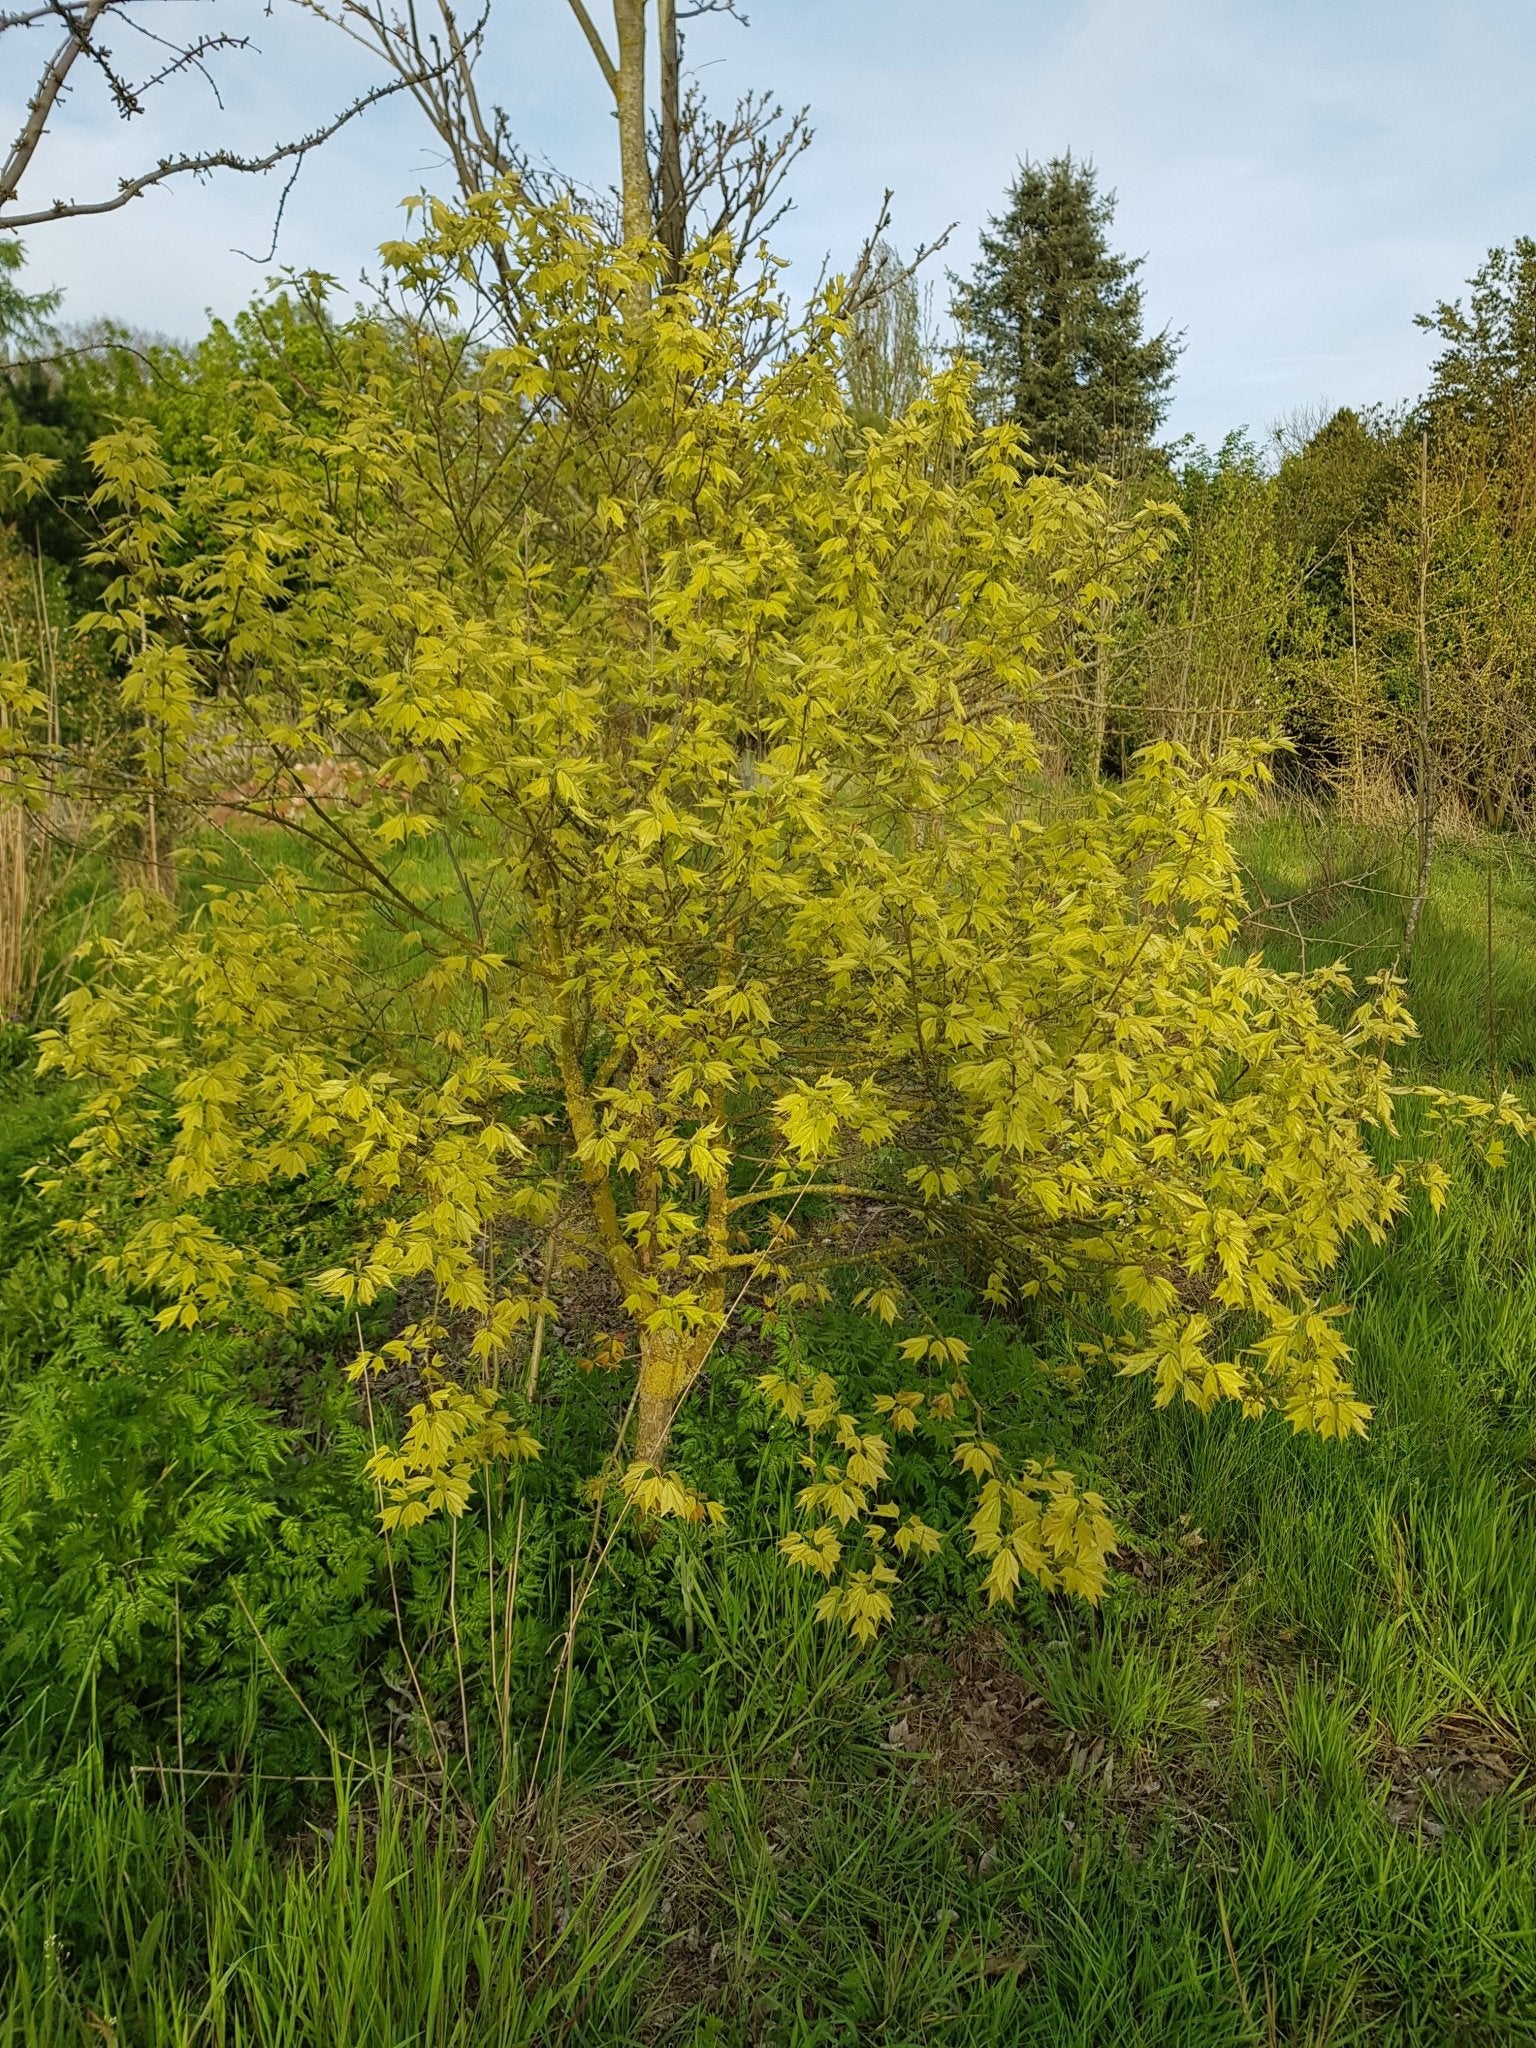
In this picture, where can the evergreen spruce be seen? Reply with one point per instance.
(1055, 318)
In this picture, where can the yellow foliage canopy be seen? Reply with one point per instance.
(668, 863)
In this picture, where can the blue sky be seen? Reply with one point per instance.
(1301, 177)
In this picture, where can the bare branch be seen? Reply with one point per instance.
(189, 59)
(437, 64)
(43, 101)
(200, 165)
(876, 272)
(30, 19)
(605, 63)
(85, 22)
(277, 218)
(733, 170)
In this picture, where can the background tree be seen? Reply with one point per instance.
(1198, 652)
(1333, 482)
(24, 316)
(1486, 370)
(1407, 671)
(886, 353)
(55, 399)
(1054, 316)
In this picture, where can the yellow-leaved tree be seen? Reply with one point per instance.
(667, 867)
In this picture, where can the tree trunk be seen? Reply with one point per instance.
(1098, 735)
(1357, 702)
(666, 1368)
(629, 97)
(14, 888)
(1425, 763)
(1490, 1002)
(672, 226)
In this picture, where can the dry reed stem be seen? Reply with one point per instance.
(14, 905)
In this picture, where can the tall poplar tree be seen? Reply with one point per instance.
(1055, 318)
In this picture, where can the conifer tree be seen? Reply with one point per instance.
(1054, 317)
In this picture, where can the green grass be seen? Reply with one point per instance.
(394, 1921)
(1278, 1791)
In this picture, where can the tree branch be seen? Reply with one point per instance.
(77, 40)
(199, 166)
(85, 22)
(599, 48)
(839, 1189)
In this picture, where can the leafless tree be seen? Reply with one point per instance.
(717, 175)
(730, 172)
(437, 58)
(686, 173)
(889, 347)
(69, 40)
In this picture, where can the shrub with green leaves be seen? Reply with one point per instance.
(653, 744)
